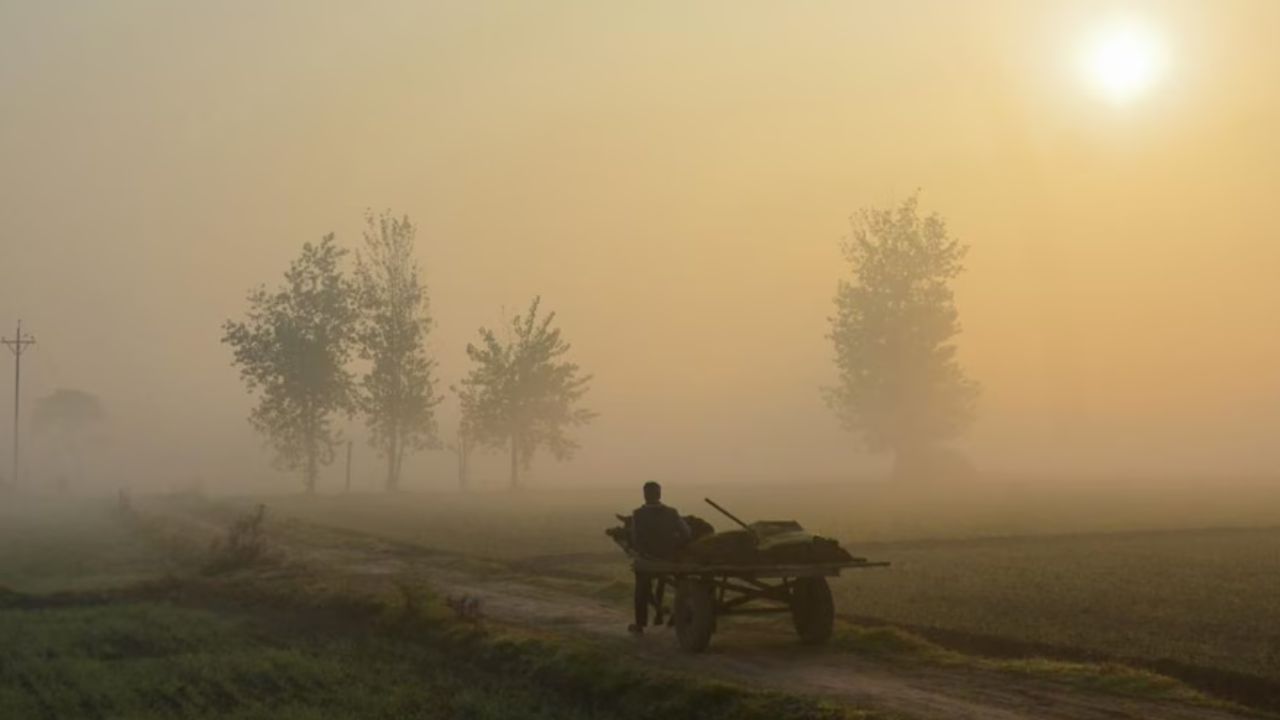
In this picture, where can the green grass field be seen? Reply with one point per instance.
(48, 546)
(156, 660)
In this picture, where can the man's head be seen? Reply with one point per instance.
(652, 492)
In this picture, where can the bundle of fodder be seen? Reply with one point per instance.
(731, 547)
(770, 542)
(773, 542)
(786, 543)
(621, 533)
(698, 528)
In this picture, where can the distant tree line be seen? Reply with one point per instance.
(900, 386)
(295, 346)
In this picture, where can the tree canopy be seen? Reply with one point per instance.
(522, 394)
(67, 411)
(70, 420)
(397, 394)
(292, 349)
(900, 386)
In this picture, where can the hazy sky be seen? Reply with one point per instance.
(674, 178)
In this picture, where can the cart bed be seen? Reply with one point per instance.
(666, 567)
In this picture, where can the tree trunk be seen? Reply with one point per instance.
(313, 453)
(393, 471)
(399, 462)
(313, 468)
(515, 463)
(348, 484)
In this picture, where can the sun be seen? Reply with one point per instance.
(1123, 60)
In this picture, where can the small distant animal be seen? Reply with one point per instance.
(468, 608)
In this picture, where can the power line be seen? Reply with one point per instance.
(17, 346)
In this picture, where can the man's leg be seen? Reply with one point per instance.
(658, 596)
(643, 589)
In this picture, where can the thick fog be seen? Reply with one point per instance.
(674, 181)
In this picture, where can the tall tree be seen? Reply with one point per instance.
(466, 437)
(397, 394)
(69, 419)
(292, 349)
(900, 385)
(462, 447)
(521, 394)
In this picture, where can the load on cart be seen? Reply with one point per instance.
(761, 567)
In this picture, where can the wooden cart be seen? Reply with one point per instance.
(706, 592)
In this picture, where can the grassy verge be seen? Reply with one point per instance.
(204, 649)
(159, 660)
(1131, 675)
(895, 644)
(577, 674)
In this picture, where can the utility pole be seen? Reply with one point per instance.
(17, 346)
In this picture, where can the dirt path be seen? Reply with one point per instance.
(753, 653)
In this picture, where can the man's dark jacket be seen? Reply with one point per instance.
(658, 531)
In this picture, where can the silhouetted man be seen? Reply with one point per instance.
(657, 532)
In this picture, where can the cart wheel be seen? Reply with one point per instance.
(695, 615)
(812, 610)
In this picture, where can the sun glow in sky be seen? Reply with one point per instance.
(674, 179)
(1124, 59)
